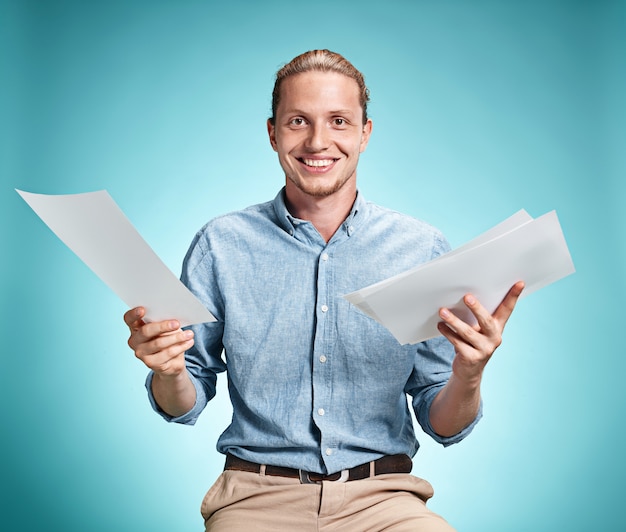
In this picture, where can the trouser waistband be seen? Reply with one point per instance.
(397, 463)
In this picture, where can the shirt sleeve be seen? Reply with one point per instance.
(188, 418)
(433, 368)
(204, 359)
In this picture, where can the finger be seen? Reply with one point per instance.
(460, 330)
(148, 331)
(166, 345)
(158, 328)
(133, 316)
(486, 323)
(505, 308)
(169, 340)
(447, 331)
(168, 361)
(468, 351)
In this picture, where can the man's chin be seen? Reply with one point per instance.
(319, 190)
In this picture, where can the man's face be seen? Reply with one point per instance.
(319, 132)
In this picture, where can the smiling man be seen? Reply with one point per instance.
(321, 436)
(318, 132)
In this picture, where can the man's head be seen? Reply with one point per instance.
(320, 61)
(319, 125)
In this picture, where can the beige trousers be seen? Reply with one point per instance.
(250, 502)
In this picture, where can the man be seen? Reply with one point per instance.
(321, 435)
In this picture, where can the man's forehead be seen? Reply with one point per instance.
(329, 87)
(316, 78)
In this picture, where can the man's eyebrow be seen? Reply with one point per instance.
(330, 113)
(342, 112)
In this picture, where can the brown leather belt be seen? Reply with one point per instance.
(397, 463)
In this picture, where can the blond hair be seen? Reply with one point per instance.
(320, 61)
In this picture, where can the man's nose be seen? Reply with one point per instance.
(318, 139)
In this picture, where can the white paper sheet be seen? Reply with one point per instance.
(95, 228)
(518, 249)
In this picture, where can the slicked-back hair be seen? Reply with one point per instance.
(320, 61)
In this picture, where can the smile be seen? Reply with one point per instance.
(317, 163)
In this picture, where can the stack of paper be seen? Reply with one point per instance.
(519, 249)
(95, 228)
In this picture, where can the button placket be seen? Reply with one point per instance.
(322, 378)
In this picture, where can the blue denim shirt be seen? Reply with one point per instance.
(315, 384)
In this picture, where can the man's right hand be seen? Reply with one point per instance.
(159, 345)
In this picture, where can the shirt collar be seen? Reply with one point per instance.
(290, 223)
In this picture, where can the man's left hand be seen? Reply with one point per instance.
(475, 344)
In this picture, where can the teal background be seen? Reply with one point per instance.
(479, 109)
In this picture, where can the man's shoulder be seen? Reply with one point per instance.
(399, 220)
(231, 231)
(256, 214)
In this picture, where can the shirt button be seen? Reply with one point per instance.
(321, 411)
(324, 308)
(329, 452)
(324, 256)
(323, 359)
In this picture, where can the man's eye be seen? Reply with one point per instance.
(297, 121)
(339, 122)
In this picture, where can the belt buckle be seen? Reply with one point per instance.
(306, 479)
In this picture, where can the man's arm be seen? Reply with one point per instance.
(161, 347)
(457, 404)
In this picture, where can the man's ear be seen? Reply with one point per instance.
(271, 131)
(367, 132)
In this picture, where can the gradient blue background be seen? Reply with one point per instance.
(479, 109)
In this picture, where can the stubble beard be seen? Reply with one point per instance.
(319, 190)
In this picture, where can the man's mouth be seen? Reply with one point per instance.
(317, 163)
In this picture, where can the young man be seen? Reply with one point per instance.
(321, 435)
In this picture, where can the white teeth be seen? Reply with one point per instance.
(318, 162)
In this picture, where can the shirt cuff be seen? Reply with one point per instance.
(189, 418)
(447, 440)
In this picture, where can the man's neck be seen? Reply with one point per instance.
(325, 213)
